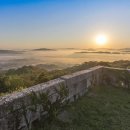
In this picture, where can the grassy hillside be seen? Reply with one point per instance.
(102, 108)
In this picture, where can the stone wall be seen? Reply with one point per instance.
(117, 77)
(77, 83)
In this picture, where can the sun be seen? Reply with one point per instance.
(101, 39)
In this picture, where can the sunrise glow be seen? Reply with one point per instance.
(101, 39)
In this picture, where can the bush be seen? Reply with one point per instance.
(11, 83)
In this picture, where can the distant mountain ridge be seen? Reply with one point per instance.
(10, 52)
(44, 49)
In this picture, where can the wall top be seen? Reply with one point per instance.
(81, 72)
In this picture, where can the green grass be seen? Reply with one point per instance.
(102, 108)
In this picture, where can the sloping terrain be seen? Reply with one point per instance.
(102, 108)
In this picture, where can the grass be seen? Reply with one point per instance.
(102, 108)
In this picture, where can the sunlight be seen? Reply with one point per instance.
(101, 39)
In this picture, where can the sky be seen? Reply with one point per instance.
(63, 23)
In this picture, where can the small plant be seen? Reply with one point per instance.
(93, 80)
(49, 108)
(25, 114)
(15, 118)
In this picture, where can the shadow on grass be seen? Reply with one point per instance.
(102, 108)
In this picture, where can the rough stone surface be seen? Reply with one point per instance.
(77, 83)
(116, 77)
